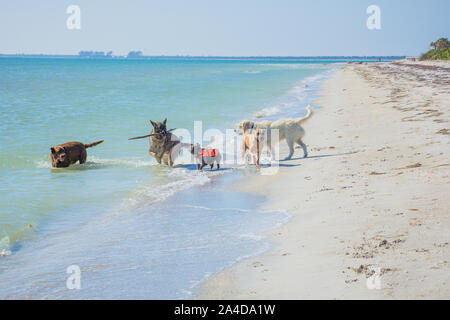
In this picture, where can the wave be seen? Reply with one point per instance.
(96, 162)
(249, 236)
(215, 209)
(179, 179)
(4, 252)
(267, 112)
(9, 239)
(4, 245)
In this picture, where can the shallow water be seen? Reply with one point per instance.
(136, 229)
(158, 252)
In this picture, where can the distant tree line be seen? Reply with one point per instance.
(109, 54)
(134, 54)
(440, 51)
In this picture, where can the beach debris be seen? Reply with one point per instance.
(411, 166)
(369, 270)
(369, 248)
(374, 173)
(441, 245)
(415, 222)
(444, 131)
(351, 281)
(415, 165)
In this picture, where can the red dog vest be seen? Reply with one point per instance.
(209, 152)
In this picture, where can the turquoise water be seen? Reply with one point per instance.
(112, 213)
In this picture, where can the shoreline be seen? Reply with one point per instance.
(370, 199)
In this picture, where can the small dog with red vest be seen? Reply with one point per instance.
(205, 157)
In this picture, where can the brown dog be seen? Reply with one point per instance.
(63, 155)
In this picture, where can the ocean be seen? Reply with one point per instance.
(135, 229)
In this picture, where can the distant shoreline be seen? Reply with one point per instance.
(284, 58)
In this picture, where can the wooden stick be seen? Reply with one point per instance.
(135, 138)
(150, 135)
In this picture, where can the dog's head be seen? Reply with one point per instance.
(59, 154)
(159, 127)
(196, 149)
(244, 126)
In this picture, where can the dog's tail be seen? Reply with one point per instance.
(258, 146)
(308, 115)
(93, 144)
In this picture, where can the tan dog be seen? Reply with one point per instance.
(63, 155)
(252, 142)
(288, 129)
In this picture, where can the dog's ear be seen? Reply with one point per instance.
(153, 123)
(52, 150)
(165, 121)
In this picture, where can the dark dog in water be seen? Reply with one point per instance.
(63, 155)
(164, 145)
(205, 157)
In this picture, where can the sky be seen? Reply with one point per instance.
(224, 28)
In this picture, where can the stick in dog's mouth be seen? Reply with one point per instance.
(151, 135)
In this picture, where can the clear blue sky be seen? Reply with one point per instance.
(227, 28)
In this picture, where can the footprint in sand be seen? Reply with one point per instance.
(257, 264)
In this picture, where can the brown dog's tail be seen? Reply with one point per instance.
(93, 144)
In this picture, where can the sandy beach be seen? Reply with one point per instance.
(370, 206)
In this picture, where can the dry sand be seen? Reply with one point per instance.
(372, 201)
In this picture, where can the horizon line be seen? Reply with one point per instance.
(195, 56)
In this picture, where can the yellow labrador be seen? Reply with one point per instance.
(288, 129)
(253, 142)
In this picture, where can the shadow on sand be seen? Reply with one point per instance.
(321, 156)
